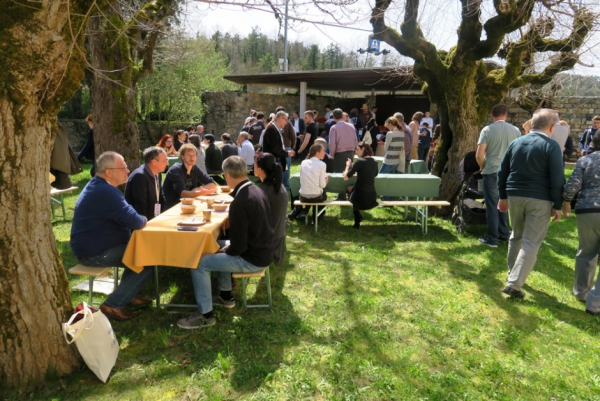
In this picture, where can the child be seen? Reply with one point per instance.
(424, 141)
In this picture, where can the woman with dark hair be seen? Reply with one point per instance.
(362, 195)
(270, 173)
(370, 134)
(179, 139)
(166, 142)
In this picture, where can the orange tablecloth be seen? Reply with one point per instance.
(159, 242)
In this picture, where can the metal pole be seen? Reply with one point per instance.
(285, 40)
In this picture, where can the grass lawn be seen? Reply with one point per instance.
(377, 314)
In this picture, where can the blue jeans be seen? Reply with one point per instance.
(286, 173)
(497, 222)
(423, 151)
(388, 169)
(131, 282)
(225, 265)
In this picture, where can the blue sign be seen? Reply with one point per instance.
(374, 44)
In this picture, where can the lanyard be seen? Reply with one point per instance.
(156, 186)
(245, 185)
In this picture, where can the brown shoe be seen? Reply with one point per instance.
(117, 313)
(138, 301)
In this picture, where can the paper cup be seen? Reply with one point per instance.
(206, 214)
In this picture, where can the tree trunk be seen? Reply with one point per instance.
(41, 73)
(113, 97)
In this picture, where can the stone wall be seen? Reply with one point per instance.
(226, 111)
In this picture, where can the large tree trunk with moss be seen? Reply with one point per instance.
(113, 100)
(461, 84)
(120, 51)
(41, 71)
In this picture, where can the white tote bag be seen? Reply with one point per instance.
(95, 340)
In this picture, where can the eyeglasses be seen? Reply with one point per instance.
(118, 168)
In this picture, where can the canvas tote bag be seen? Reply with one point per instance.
(95, 340)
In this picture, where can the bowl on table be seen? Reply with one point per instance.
(187, 201)
(220, 207)
(188, 209)
(225, 188)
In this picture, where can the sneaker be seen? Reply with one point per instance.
(487, 242)
(218, 300)
(511, 292)
(196, 321)
(301, 216)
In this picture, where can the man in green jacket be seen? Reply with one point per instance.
(530, 183)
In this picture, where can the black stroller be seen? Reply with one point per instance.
(466, 209)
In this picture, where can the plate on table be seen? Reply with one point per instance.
(192, 222)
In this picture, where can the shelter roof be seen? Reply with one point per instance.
(344, 80)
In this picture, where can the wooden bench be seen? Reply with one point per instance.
(259, 274)
(59, 192)
(420, 206)
(91, 272)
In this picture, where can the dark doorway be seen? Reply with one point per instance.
(408, 105)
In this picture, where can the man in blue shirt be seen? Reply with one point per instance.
(530, 183)
(101, 229)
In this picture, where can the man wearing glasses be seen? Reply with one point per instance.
(101, 229)
(273, 140)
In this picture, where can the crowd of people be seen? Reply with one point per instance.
(522, 176)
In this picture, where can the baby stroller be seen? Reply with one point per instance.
(467, 210)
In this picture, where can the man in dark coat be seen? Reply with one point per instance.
(273, 142)
(144, 186)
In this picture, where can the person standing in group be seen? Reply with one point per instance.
(144, 186)
(530, 184)
(424, 141)
(288, 135)
(491, 146)
(407, 141)
(342, 142)
(257, 128)
(310, 134)
(585, 183)
(246, 150)
(273, 139)
(362, 194)
(87, 151)
(588, 134)
(229, 148)
(427, 119)
(414, 126)
(394, 148)
(213, 158)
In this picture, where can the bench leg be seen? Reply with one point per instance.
(62, 204)
(91, 288)
(316, 217)
(268, 277)
(244, 301)
(156, 287)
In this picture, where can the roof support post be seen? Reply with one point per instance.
(302, 98)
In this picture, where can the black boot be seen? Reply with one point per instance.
(357, 219)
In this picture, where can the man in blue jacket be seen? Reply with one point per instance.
(530, 183)
(101, 229)
(144, 187)
(588, 134)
